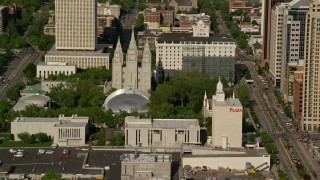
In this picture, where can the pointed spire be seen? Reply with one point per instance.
(146, 52)
(133, 45)
(233, 95)
(219, 86)
(118, 54)
(205, 94)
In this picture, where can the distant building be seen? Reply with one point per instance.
(297, 94)
(226, 119)
(50, 28)
(107, 16)
(161, 132)
(188, 20)
(247, 27)
(146, 166)
(3, 18)
(235, 3)
(147, 35)
(65, 131)
(168, 17)
(131, 76)
(55, 68)
(76, 36)
(184, 5)
(173, 48)
(152, 16)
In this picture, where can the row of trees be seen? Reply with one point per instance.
(33, 138)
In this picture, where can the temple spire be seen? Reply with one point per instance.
(132, 50)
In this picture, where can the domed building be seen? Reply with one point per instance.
(131, 77)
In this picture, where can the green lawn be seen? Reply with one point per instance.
(21, 144)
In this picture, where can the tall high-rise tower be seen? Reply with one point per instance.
(311, 87)
(76, 24)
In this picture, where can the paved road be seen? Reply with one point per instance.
(129, 21)
(274, 122)
(13, 70)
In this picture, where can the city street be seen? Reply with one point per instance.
(274, 122)
(13, 70)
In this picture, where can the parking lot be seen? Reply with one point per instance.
(34, 163)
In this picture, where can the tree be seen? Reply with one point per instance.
(247, 75)
(41, 137)
(51, 176)
(30, 71)
(140, 22)
(254, 22)
(287, 111)
(243, 94)
(12, 93)
(26, 137)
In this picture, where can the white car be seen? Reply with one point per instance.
(84, 149)
(41, 151)
(18, 155)
(49, 152)
(12, 151)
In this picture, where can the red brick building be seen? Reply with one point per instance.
(234, 4)
(297, 94)
(151, 16)
(168, 17)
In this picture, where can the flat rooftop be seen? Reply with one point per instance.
(216, 152)
(136, 122)
(56, 64)
(97, 52)
(146, 158)
(228, 102)
(184, 37)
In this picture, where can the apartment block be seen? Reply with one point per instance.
(168, 17)
(152, 16)
(311, 87)
(3, 18)
(234, 3)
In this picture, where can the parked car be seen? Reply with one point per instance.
(66, 151)
(54, 146)
(49, 152)
(41, 151)
(18, 155)
(63, 157)
(12, 151)
(84, 149)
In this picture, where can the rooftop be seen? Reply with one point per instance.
(146, 158)
(188, 37)
(131, 122)
(56, 64)
(98, 52)
(33, 89)
(228, 102)
(24, 101)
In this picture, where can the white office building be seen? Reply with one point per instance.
(226, 119)
(55, 68)
(65, 131)
(146, 166)
(161, 132)
(76, 36)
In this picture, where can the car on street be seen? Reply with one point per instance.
(63, 157)
(84, 149)
(12, 151)
(49, 152)
(41, 151)
(18, 155)
(66, 152)
(54, 146)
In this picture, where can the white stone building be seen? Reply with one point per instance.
(146, 166)
(76, 36)
(226, 119)
(55, 68)
(131, 75)
(161, 132)
(65, 131)
(171, 48)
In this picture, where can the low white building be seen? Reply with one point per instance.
(55, 68)
(65, 131)
(28, 100)
(146, 166)
(221, 159)
(161, 132)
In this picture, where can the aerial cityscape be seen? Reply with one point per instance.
(160, 89)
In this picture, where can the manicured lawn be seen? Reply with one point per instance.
(21, 144)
